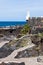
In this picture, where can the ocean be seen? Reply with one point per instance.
(12, 23)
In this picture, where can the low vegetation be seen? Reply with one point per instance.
(40, 35)
(12, 42)
(25, 29)
(23, 42)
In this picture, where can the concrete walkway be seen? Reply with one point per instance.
(3, 43)
(27, 61)
(15, 52)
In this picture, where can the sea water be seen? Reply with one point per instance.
(12, 23)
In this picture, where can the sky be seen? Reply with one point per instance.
(16, 10)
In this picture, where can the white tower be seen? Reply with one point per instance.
(28, 15)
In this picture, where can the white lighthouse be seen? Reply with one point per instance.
(28, 15)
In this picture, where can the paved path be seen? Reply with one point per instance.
(3, 43)
(14, 53)
(31, 61)
(27, 61)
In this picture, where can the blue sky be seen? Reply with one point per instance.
(17, 9)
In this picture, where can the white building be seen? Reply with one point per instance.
(28, 15)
